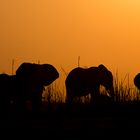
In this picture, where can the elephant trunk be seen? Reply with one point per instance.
(111, 92)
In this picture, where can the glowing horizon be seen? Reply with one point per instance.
(57, 32)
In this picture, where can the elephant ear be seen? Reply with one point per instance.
(48, 74)
(103, 71)
(105, 76)
(102, 67)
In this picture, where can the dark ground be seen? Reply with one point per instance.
(100, 121)
(79, 117)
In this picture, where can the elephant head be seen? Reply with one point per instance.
(43, 74)
(84, 81)
(137, 81)
(32, 78)
(106, 79)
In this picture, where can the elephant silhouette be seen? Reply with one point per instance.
(8, 90)
(83, 81)
(137, 81)
(32, 79)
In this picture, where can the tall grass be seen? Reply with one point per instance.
(56, 92)
(53, 93)
(124, 92)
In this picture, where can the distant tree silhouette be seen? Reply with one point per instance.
(32, 79)
(83, 81)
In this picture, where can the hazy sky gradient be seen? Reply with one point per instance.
(58, 31)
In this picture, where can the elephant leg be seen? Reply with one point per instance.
(69, 102)
(95, 95)
(21, 103)
(69, 97)
(36, 102)
(21, 97)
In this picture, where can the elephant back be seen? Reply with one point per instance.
(25, 70)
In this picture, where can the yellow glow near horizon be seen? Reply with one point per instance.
(58, 32)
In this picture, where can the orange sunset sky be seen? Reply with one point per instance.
(58, 31)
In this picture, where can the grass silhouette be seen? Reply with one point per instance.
(124, 111)
(124, 92)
